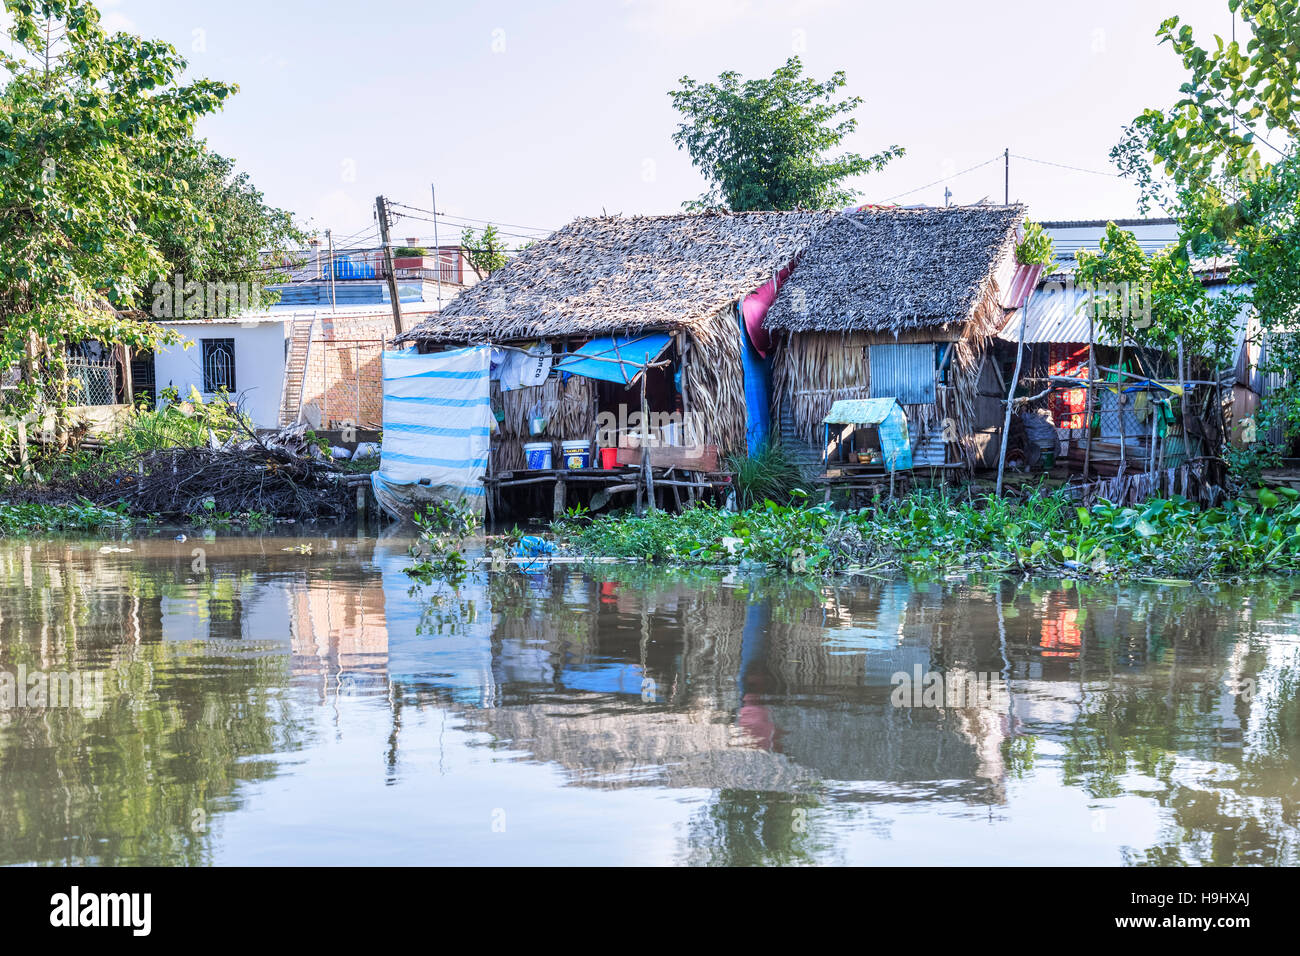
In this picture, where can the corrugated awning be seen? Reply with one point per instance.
(616, 358)
(884, 414)
(860, 411)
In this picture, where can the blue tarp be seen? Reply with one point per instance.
(884, 414)
(633, 353)
(758, 391)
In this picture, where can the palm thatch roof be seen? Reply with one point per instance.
(611, 274)
(893, 269)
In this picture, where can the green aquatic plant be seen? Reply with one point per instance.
(19, 519)
(438, 551)
(939, 531)
(766, 475)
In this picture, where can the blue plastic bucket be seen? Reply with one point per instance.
(539, 454)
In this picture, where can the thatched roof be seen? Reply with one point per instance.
(892, 269)
(602, 275)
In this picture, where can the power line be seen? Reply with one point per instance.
(490, 222)
(945, 179)
(502, 232)
(1077, 169)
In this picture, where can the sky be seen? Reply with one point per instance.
(529, 114)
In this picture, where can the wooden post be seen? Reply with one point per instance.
(1155, 420)
(329, 237)
(645, 450)
(560, 488)
(1092, 375)
(22, 447)
(1119, 393)
(1218, 409)
(381, 209)
(1182, 401)
(1011, 395)
(128, 383)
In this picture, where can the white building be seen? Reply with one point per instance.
(244, 357)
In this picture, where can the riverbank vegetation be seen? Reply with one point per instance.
(193, 461)
(82, 517)
(940, 531)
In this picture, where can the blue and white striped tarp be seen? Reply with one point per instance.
(437, 428)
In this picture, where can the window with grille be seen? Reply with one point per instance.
(218, 365)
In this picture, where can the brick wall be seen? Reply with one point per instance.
(344, 377)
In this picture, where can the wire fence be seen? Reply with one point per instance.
(91, 381)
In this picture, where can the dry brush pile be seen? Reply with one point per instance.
(284, 475)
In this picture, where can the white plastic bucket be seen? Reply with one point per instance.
(539, 454)
(577, 454)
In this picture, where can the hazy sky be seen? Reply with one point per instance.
(533, 113)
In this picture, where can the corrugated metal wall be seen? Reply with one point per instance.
(904, 372)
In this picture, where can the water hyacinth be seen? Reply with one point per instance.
(941, 532)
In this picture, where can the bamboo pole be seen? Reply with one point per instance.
(1182, 399)
(1011, 395)
(1092, 374)
(1151, 456)
(1119, 393)
(645, 456)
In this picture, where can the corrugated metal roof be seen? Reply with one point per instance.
(1057, 313)
(860, 411)
(1053, 314)
(1103, 223)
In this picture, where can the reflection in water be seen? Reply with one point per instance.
(284, 706)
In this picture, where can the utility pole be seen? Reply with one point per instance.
(1006, 177)
(434, 195)
(329, 237)
(381, 211)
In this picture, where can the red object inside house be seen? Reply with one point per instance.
(1069, 406)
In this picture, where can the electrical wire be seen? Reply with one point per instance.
(969, 169)
(1077, 169)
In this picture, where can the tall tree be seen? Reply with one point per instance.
(237, 237)
(763, 144)
(1223, 159)
(84, 117)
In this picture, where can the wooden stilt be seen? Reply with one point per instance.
(560, 488)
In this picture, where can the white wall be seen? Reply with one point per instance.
(259, 363)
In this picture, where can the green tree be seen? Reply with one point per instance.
(84, 117)
(485, 252)
(235, 238)
(763, 144)
(1223, 159)
(1166, 301)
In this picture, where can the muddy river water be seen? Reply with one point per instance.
(274, 700)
